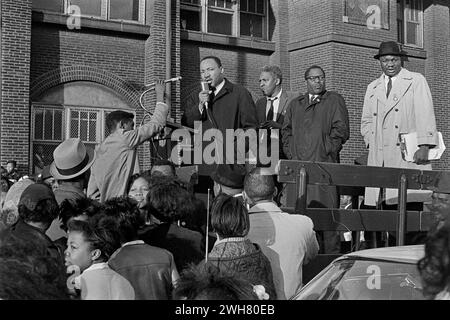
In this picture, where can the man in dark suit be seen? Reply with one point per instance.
(315, 128)
(224, 106)
(271, 109)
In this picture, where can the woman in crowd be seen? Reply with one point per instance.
(89, 246)
(233, 252)
(434, 267)
(138, 188)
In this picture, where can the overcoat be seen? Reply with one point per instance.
(409, 108)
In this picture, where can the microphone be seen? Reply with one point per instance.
(205, 87)
(165, 81)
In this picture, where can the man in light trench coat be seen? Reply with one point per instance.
(399, 101)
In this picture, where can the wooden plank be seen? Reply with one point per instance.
(362, 176)
(365, 220)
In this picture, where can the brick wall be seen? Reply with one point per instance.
(15, 61)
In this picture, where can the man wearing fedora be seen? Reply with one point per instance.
(398, 102)
(117, 155)
(70, 168)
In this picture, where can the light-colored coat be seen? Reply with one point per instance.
(409, 108)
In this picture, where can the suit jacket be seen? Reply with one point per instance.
(285, 98)
(231, 108)
(409, 108)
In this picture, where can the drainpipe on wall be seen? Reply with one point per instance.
(169, 54)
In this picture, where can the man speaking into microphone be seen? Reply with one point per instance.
(221, 105)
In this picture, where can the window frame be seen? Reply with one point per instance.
(66, 123)
(203, 7)
(405, 20)
(105, 10)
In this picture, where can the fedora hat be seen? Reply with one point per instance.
(389, 48)
(71, 159)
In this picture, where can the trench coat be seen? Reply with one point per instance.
(409, 108)
(316, 132)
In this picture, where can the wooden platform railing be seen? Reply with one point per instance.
(351, 180)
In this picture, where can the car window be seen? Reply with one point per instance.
(359, 279)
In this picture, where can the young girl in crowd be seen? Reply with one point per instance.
(89, 246)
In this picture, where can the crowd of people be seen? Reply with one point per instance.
(94, 226)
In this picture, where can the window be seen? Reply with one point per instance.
(53, 124)
(123, 10)
(244, 18)
(410, 22)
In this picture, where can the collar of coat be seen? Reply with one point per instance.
(403, 82)
(403, 75)
(321, 97)
(227, 87)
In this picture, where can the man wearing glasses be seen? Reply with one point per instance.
(315, 127)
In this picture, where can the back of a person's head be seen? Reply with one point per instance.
(27, 274)
(127, 216)
(5, 184)
(259, 184)
(113, 118)
(163, 167)
(206, 282)
(83, 208)
(434, 267)
(168, 201)
(229, 217)
(37, 204)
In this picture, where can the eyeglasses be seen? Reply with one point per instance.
(316, 78)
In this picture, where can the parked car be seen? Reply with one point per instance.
(375, 274)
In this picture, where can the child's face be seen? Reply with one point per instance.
(78, 251)
(139, 190)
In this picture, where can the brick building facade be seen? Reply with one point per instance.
(58, 81)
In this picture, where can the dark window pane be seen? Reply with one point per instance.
(411, 33)
(83, 130)
(228, 4)
(124, 9)
(221, 3)
(50, 5)
(220, 23)
(251, 6)
(39, 124)
(190, 20)
(251, 25)
(89, 7)
(244, 5)
(211, 3)
(260, 6)
(58, 122)
(48, 125)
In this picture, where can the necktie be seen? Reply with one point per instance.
(269, 116)
(389, 87)
(213, 93)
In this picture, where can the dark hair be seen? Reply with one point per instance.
(259, 186)
(216, 59)
(14, 162)
(69, 209)
(313, 67)
(145, 175)
(207, 282)
(45, 211)
(115, 117)
(229, 217)
(167, 200)
(26, 274)
(434, 267)
(100, 231)
(274, 70)
(126, 213)
(5, 184)
(163, 162)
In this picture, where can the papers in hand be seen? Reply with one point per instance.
(409, 147)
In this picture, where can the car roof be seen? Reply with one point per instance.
(407, 254)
